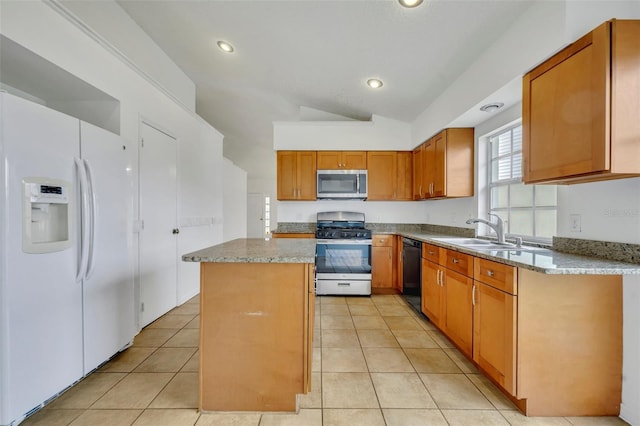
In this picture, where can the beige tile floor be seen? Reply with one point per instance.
(375, 362)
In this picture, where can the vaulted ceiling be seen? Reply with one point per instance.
(317, 54)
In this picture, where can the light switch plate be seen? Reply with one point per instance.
(575, 224)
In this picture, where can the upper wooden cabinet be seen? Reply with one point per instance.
(342, 160)
(389, 174)
(418, 165)
(580, 109)
(296, 175)
(404, 176)
(445, 165)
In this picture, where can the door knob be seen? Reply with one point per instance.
(176, 231)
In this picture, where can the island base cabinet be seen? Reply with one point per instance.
(569, 344)
(256, 328)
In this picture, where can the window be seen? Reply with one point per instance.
(529, 211)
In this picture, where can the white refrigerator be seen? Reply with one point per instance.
(66, 271)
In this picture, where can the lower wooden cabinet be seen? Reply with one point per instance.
(458, 315)
(309, 318)
(293, 235)
(256, 336)
(432, 292)
(383, 255)
(494, 334)
(447, 286)
(533, 334)
(495, 310)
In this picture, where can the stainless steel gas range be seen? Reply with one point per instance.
(343, 254)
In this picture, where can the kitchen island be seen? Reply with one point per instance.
(256, 323)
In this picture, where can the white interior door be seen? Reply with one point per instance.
(255, 216)
(158, 213)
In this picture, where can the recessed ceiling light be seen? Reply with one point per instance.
(491, 107)
(225, 46)
(374, 83)
(410, 3)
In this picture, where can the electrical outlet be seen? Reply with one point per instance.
(574, 223)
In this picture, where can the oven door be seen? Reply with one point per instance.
(340, 257)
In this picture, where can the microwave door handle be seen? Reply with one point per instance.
(358, 183)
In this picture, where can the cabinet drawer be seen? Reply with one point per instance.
(382, 240)
(459, 262)
(431, 252)
(497, 275)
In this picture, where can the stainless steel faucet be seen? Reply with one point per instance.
(498, 227)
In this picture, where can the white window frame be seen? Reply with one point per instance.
(505, 212)
(267, 215)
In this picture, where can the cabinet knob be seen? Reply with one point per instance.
(490, 273)
(454, 260)
(175, 231)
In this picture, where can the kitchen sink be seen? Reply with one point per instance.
(486, 245)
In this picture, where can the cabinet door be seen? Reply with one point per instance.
(329, 160)
(306, 175)
(399, 255)
(382, 267)
(287, 175)
(458, 316)
(439, 165)
(428, 168)
(404, 176)
(342, 160)
(457, 160)
(566, 111)
(382, 172)
(494, 334)
(354, 160)
(432, 294)
(418, 164)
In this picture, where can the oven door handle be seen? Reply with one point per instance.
(345, 242)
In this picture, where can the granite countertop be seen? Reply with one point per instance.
(545, 261)
(258, 250)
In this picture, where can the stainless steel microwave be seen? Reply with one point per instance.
(342, 184)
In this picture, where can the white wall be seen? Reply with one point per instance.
(235, 201)
(200, 205)
(379, 134)
(529, 39)
(375, 211)
(109, 20)
(41, 29)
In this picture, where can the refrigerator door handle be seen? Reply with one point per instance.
(84, 237)
(92, 218)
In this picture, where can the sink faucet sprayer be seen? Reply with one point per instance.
(498, 227)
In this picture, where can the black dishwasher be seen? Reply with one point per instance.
(411, 276)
